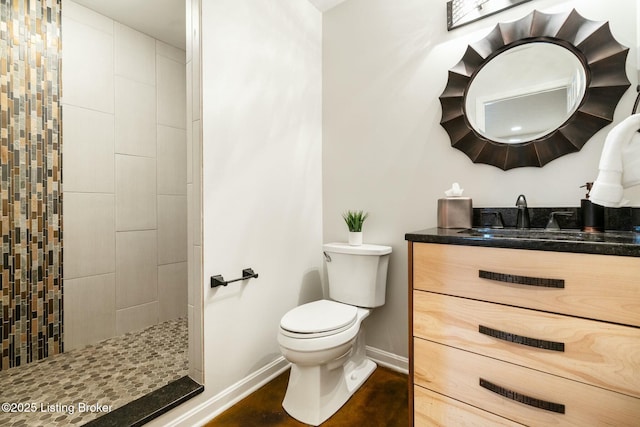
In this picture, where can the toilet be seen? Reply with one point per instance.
(324, 340)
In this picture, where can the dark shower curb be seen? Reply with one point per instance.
(150, 406)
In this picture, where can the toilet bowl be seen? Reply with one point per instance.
(327, 366)
(324, 340)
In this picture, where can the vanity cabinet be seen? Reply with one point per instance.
(503, 336)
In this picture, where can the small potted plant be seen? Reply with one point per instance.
(354, 220)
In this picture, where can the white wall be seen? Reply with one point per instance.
(261, 187)
(384, 66)
(124, 178)
(254, 186)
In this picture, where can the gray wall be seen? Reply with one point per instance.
(384, 66)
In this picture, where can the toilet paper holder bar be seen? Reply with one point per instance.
(218, 280)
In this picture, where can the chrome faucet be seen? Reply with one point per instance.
(522, 220)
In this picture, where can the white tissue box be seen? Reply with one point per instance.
(455, 212)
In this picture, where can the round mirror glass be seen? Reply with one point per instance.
(525, 92)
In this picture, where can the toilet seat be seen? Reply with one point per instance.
(318, 319)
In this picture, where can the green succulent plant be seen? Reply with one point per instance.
(355, 219)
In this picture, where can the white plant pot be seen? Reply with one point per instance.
(355, 238)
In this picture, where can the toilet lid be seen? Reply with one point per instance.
(319, 317)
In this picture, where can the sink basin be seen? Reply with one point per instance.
(542, 234)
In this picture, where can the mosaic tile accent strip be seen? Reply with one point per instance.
(75, 387)
(31, 193)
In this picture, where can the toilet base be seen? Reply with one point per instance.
(315, 393)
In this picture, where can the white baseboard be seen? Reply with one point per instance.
(222, 401)
(388, 360)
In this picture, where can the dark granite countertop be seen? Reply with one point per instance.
(618, 243)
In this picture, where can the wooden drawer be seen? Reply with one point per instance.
(433, 409)
(594, 286)
(598, 353)
(459, 374)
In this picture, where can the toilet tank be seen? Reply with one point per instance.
(357, 275)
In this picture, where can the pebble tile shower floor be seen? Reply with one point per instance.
(113, 372)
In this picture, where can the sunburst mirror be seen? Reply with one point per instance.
(534, 89)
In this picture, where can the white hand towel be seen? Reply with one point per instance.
(631, 162)
(607, 189)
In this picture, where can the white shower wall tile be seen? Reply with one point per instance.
(194, 176)
(195, 88)
(136, 318)
(188, 39)
(135, 55)
(189, 124)
(136, 268)
(88, 134)
(135, 113)
(88, 71)
(172, 290)
(172, 161)
(172, 229)
(194, 37)
(197, 184)
(170, 52)
(170, 80)
(87, 16)
(120, 161)
(191, 337)
(135, 193)
(194, 274)
(190, 241)
(89, 234)
(195, 327)
(90, 313)
(189, 261)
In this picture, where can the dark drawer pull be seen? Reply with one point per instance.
(519, 339)
(521, 280)
(521, 398)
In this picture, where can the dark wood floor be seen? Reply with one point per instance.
(380, 402)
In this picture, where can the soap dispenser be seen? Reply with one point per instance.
(592, 214)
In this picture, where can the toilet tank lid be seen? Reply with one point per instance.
(365, 249)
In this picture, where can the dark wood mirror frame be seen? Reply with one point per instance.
(604, 61)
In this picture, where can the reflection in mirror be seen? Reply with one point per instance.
(525, 92)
